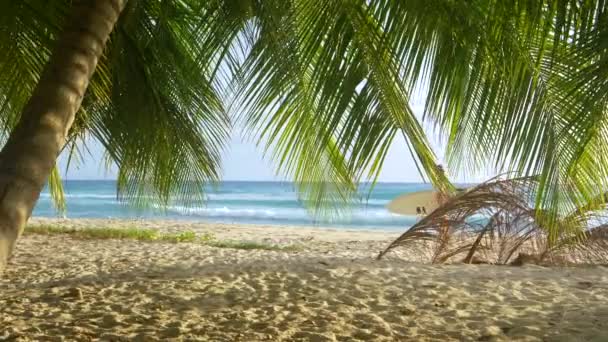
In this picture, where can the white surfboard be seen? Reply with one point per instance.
(407, 204)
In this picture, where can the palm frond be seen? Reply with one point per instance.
(159, 115)
(495, 222)
(56, 190)
(321, 90)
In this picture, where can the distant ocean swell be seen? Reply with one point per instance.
(235, 202)
(236, 198)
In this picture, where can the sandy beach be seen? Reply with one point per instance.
(329, 289)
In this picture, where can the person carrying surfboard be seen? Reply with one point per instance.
(421, 203)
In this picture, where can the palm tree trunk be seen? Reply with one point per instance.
(32, 148)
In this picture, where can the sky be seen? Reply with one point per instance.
(399, 166)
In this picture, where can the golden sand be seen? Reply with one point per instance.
(59, 288)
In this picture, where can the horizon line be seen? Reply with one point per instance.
(272, 181)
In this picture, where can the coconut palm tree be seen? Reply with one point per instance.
(323, 84)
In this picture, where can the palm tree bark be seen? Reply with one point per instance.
(32, 148)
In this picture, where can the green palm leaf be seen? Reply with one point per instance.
(325, 87)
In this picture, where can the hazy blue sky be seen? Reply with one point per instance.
(243, 161)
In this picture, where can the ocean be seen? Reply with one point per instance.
(235, 202)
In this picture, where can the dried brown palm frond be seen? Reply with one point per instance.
(594, 249)
(496, 222)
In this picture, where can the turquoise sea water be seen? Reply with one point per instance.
(235, 202)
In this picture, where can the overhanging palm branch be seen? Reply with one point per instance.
(323, 90)
(152, 102)
(325, 85)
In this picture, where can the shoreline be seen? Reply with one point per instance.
(227, 230)
(319, 241)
